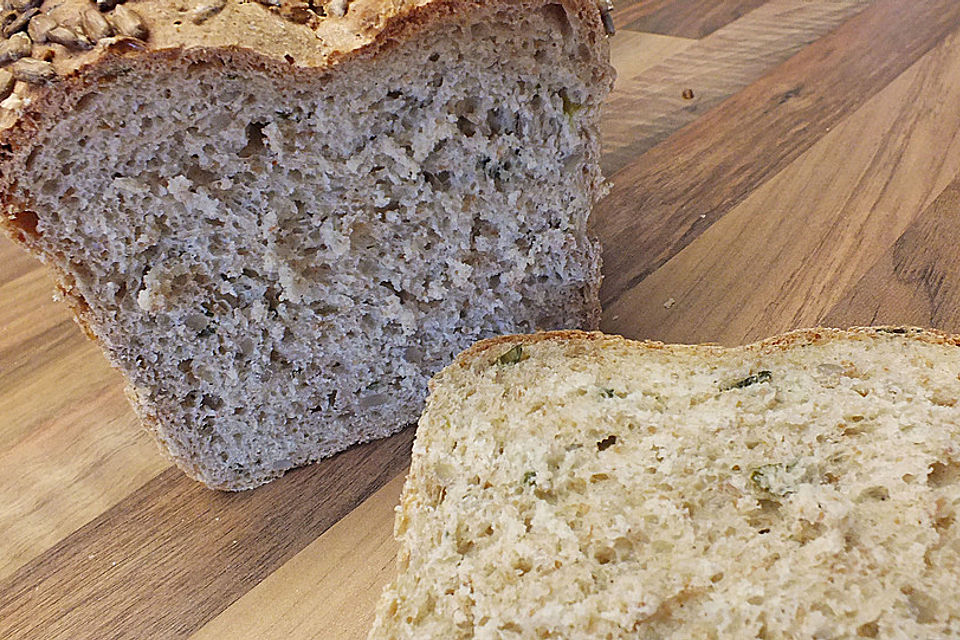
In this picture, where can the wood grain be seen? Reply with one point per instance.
(15, 261)
(712, 165)
(632, 53)
(64, 421)
(786, 254)
(916, 282)
(827, 172)
(194, 551)
(683, 18)
(324, 591)
(649, 106)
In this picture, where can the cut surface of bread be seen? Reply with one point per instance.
(576, 485)
(278, 242)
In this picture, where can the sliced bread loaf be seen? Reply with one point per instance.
(280, 218)
(576, 485)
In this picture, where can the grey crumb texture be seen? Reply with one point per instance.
(278, 270)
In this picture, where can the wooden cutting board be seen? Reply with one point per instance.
(775, 164)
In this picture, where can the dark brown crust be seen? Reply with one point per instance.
(800, 337)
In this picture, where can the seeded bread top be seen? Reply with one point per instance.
(52, 52)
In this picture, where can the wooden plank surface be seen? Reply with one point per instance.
(190, 551)
(814, 177)
(785, 255)
(647, 107)
(915, 281)
(715, 163)
(683, 18)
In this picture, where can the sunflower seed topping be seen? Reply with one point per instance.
(128, 23)
(33, 71)
(95, 25)
(69, 38)
(21, 5)
(14, 21)
(207, 10)
(40, 26)
(6, 83)
(606, 16)
(18, 46)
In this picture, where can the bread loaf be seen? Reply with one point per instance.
(279, 218)
(576, 485)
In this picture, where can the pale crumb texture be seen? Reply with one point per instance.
(591, 487)
(278, 269)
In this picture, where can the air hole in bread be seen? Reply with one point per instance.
(943, 474)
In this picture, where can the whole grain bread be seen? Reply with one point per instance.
(279, 218)
(577, 485)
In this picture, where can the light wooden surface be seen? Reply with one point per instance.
(814, 177)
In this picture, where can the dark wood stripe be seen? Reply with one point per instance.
(193, 550)
(43, 347)
(916, 281)
(671, 194)
(684, 18)
(645, 109)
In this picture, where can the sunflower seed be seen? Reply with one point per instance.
(606, 16)
(33, 71)
(69, 38)
(6, 83)
(297, 12)
(207, 10)
(21, 5)
(15, 21)
(95, 25)
(106, 5)
(128, 23)
(40, 26)
(338, 8)
(18, 46)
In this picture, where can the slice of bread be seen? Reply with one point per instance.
(576, 485)
(279, 219)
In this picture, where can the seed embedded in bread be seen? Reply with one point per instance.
(21, 5)
(16, 21)
(6, 83)
(128, 23)
(207, 10)
(15, 47)
(95, 25)
(33, 71)
(606, 14)
(40, 26)
(68, 38)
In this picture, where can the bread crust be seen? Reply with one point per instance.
(480, 351)
(243, 35)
